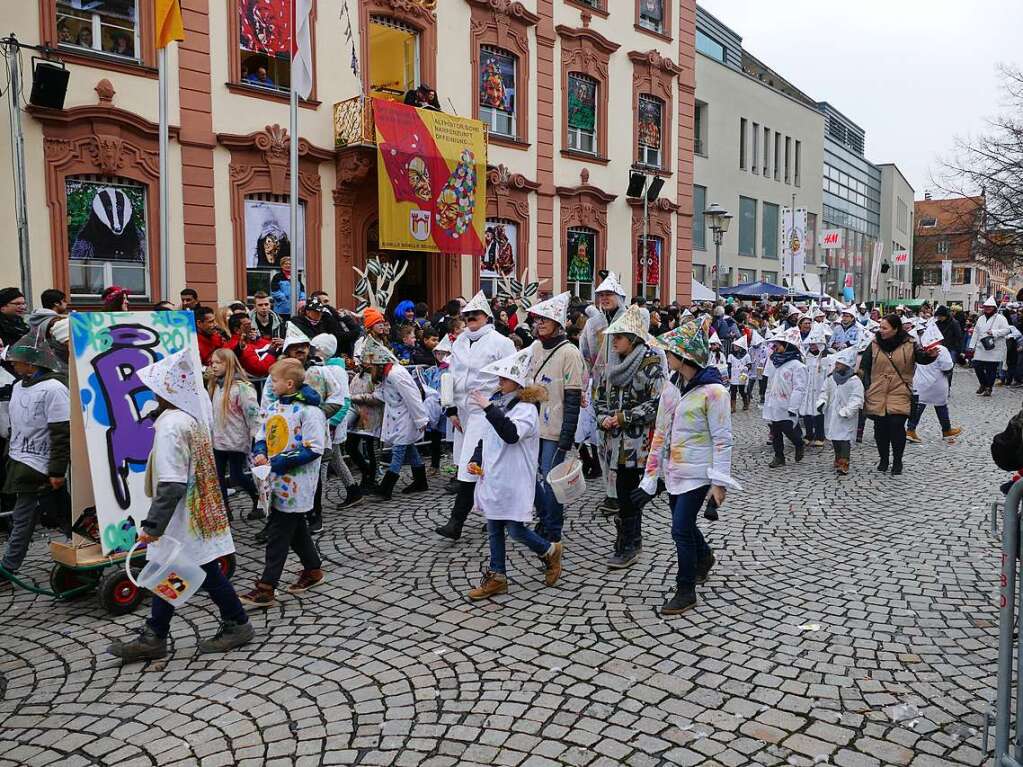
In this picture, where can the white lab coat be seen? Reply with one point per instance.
(466, 361)
(507, 488)
(996, 326)
(930, 384)
(404, 411)
(739, 369)
(786, 388)
(842, 405)
(818, 368)
(720, 361)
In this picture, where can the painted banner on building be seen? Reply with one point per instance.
(431, 175)
(112, 439)
(652, 259)
(497, 81)
(946, 276)
(793, 243)
(499, 249)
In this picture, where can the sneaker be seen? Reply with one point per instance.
(145, 646)
(681, 602)
(703, 568)
(262, 596)
(625, 557)
(353, 497)
(229, 636)
(608, 506)
(912, 436)
(987, 392)
(307, 579)
(953, 432)
(491, 585)
(552, 560)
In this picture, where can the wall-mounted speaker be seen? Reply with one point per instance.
(49, 85)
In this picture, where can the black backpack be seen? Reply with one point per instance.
(1007, 445)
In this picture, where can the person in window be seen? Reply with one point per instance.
(64, 33)
(260, 78)
(121, 46)
(84, 38)
(423, 97)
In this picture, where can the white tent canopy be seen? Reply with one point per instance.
(701, 292)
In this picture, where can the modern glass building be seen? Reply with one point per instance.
(851, 202)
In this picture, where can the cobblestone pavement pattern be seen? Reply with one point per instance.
(849, 622)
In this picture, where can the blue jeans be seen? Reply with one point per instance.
(517, 530)
(552, 513)
(690, 545)
(398, 455)
(221, 592)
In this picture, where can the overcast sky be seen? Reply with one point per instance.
(913, 74)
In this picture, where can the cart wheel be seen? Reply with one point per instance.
(226, 564)
(117, 594)
(64, 579)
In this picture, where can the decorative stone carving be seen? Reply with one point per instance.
(105, 90)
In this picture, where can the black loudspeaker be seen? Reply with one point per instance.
(49, 85)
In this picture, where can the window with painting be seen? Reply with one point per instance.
(650, 256)
(651, 15)
(393, 58)
(265, 43)
(500, 245)
(497, 90)
(651, 115)
(104, 26)
(107, 235)
(268, 243)
(582, 113)
(581, 249)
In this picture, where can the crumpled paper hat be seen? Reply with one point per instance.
(847, 356)
(293, 337)
(177, 379)
(714, 338)
(611, 285)
(633, 321)
(375, 353)
(444, 345)
(931, 335)
(741, 343)
(515, 366)
(479, 303)
(757, 339)
(33, 349)
(817, 335)
(991, 302)
(689, 341)
(554, 308)
(793, 337)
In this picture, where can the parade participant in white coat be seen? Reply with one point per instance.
(930, 384)
(718, 359)
(692, 452)
(475, 348)
(988, 344)
(847, 332)
(595, 346)
(785, 391)
(181, 479)
(739, 365)
(759, 353)
(818, 368)
(841, 402)
(404, 417)
(503, 459)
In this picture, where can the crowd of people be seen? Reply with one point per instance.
(639, 399)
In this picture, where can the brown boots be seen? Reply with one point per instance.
(842, 466)
(491, 585)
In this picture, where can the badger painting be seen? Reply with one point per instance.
(110, 233)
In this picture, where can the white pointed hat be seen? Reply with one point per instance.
(714, 338)
(554, 308)
(633, 321)
(444, 345)
(176, 379)
(479, 303)
(515, 366)
(611, 285)
(847, 356)
(757, 340)
(741, 343)
(375, 353)
(293, 337)
(991, 302)
(850, 310)
(817, 335)
(931, 335)
(793, 337)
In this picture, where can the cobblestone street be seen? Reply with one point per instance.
(848, 622)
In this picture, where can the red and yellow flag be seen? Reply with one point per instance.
(169, 25)
(431, 176)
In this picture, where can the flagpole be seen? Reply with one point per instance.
(161, 58)
(293, 191)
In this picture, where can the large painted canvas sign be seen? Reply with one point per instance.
(112, 432)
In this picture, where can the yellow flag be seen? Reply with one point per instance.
(168, 22)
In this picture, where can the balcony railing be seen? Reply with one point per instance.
(353, 122)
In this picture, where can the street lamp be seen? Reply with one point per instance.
(717, 219)
(823, 268)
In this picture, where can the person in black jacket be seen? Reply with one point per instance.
(315, 318)
(12, 315)
(952, 333)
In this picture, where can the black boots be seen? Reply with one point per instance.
(419, 483)
(628, 542)
(459, 512)
(683, 601)
(386, 487)
(703, 567)
(591, 464)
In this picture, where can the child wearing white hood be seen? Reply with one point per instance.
(739, 366)
(718, 359)
(818, 368)
(841, 401)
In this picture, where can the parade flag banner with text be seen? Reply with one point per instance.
(431, 174)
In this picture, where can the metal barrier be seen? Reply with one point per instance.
(1009, 649)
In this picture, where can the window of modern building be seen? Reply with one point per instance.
(651, 15)
(788, 164)
(107, 235)
(708, 46)
(700, 273)
(700, 129)
(796, 165)
(653, 253)
(769, 277)
(699, 225)
(943, 246)
(755, 167)
(928, 222)
(777, 156)
(497, 92)
(742, 143)
(393, 58)
(747, 226)
(650, 130)
(582, 113)
(581, 249)
(767, 149)
(747, 276)
(769, 236)
(811, 238)
(500, 259)
(268, 240)
(108, 26)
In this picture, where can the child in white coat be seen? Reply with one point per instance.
(739, 365)
(503, 458)
(818, 367)
(718, 359)
(841, 401)
(930, 387)
(785, 391)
